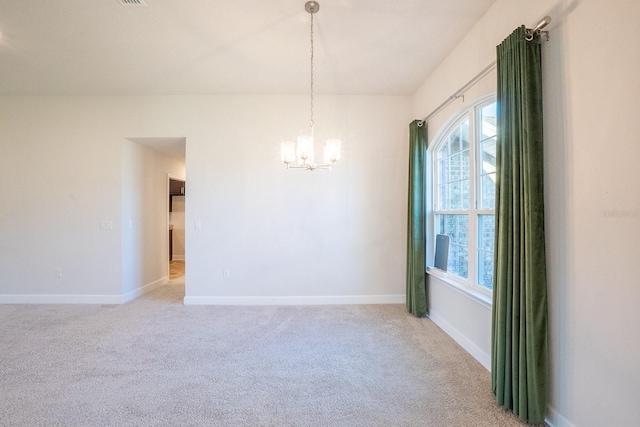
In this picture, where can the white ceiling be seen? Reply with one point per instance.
(100, 47)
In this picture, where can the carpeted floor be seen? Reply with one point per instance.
(156, 362)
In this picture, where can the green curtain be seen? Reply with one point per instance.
(519, 329)
(416, 221)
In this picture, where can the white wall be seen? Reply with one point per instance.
(307, 237)
(291, 236)
(61, 177)
(591, 88)
(145, 247)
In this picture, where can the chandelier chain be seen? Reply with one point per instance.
(312, 77)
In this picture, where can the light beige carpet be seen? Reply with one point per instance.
(156, 362)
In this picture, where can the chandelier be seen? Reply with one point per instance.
(300, 155)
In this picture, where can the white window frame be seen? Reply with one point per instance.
(471, 111)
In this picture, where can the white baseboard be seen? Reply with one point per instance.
(554, 419)
(82, 299)
(60, 299)
(466, 343)
(299, 300)
(130, 296)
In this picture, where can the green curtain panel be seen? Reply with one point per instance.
(519, 330)
(416, 221)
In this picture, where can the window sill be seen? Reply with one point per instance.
(476, 296)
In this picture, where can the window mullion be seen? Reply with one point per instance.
(473, 194)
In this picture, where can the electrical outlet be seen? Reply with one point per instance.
(106, 224)
(226, 274)
(59, 273)
(197, 225)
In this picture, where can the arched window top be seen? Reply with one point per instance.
(460, 115)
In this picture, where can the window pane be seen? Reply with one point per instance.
(488, 178)
(453, 173)
(443, 171)
(458, 196)
(462, 229)
(456, 167)
(457, 228)
(442, 197)
(488, 191)
(455, 196)
(464, 165)
(458, 260)
(486, 230)
(464, 134)
(465, 190)
(454, 140)
(485, 269)
(489, 156)
(443, 151)
(488, 114)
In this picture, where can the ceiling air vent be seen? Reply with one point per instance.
(132, 2)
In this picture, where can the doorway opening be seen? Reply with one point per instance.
(176, 220)
(149, 163)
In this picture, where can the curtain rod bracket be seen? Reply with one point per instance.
(537, 29)
(530, 35)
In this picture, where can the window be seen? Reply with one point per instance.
(463, 169)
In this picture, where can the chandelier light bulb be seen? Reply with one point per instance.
(305, 150)
(332, 151)
(288, 152)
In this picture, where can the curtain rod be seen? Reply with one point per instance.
(460, 92)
